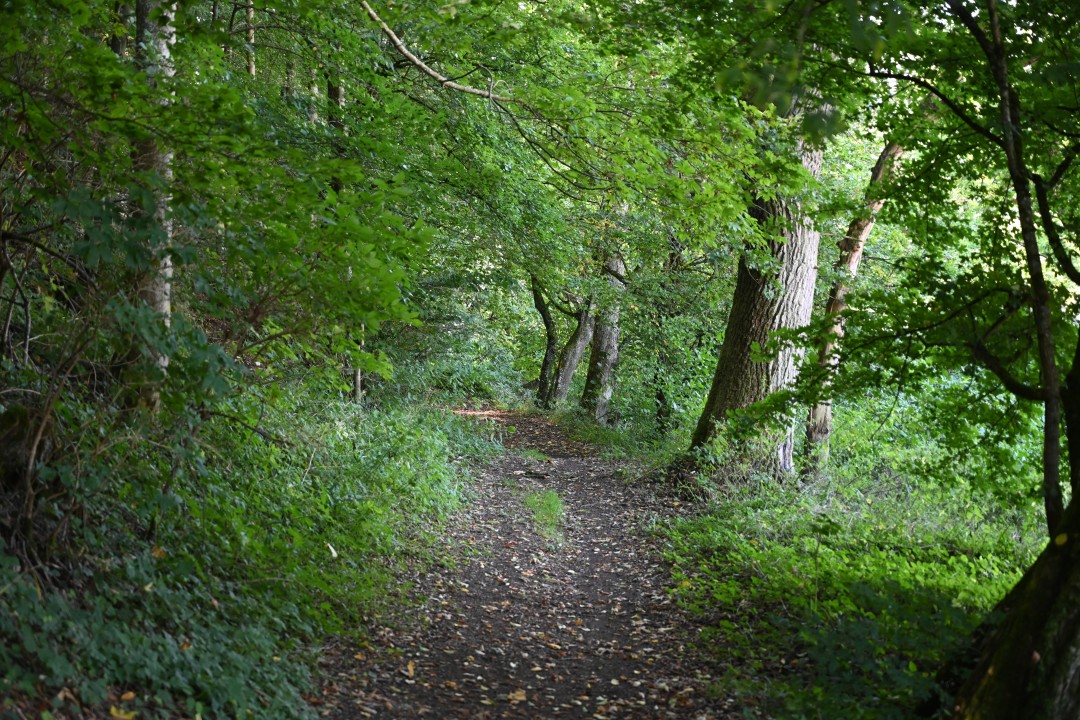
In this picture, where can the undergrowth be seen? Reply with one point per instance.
(621, 440)
(842, 596)
(838, 600)
(205, 587)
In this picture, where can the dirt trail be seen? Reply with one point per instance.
(528, 627)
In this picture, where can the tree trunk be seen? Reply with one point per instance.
(572, 352)
(662, 416)
(335, 105)
(762, 304)
(604, 351)
(1030, 666)
(288, 89)
(154, 37)
(1070, 397)
(313, 90)
(250, 27)
(993, 47)
(358, 374)
(551, 343)
(819, 422)
(118, 42)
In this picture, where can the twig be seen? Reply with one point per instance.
(261, 432)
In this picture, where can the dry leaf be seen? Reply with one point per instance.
(122, 714)
(128, 696)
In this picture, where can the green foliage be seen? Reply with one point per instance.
(547, 510)
(842, 597)
(530, 454)
(204, 596)
(186, 528)
(184, 641)
(624, 441)
(453, 357)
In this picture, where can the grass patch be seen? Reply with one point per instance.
(621, 441)
(547, 510)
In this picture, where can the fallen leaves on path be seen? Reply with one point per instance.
(525, 627)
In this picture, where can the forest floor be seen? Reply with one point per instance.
(516, 624)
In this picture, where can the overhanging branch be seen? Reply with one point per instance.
(1011, 383)
(424, 67)
(1061, 254)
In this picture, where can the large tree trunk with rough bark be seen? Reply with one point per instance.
(764, 303)
(604, 350)
(819, 422)
(1029, 667)
(551, 345)
(572, 352)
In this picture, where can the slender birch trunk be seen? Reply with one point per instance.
(155, 35)
(819, 422)
(250, 50)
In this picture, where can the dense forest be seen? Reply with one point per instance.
(806, 269)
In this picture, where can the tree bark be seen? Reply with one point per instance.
(762, 304)
(662, 416)
(313, 90)
(572, 352)
(819, 421)
(118, 42)
(551, 343)
(335, 105)
(154, 36)
(250, 27)
(358, 374)
(604, 351)
(1070, 400)
(1029, 667)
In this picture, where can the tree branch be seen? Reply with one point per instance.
(261, 432)
(969, 22)
(1063, 166)
(424, 67)
(1051, 230)
(614, 274)
(948, 102)
(564, 308)
(1011, 383)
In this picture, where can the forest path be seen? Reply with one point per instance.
(525, 626)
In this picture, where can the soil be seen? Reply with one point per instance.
(527, 626)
